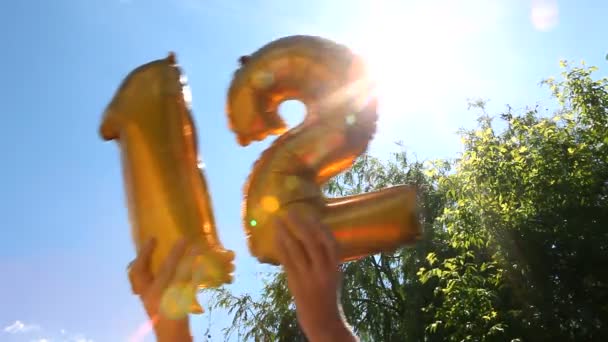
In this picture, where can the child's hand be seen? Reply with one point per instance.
(309, 255)
(150, 289)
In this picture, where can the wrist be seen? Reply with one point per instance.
(335, 330)
(168, 330)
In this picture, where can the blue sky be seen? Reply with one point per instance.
(65, 235)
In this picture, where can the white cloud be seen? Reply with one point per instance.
(20, 327)
(63, 338)
(39, 335)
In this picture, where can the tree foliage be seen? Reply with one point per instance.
(515, 236)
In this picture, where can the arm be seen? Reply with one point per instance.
(309, 255)
(150, 290)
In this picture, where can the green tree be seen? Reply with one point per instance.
(528, 214)
(515, 236)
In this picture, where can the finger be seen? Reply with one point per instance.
(139, 269)
(326, 254)
(169, 267)
(144, 254)
(291, 253)
(281, 246)
(306, 234)
(183, 271)
(180, 293)
(331, 249)
(139, 282)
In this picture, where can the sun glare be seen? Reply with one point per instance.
(414, 52)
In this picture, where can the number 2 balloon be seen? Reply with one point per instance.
(341, 118)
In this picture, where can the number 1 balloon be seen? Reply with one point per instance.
(167, 193)
(341, 119)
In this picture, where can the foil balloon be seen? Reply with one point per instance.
(334, 85)
(167, 194)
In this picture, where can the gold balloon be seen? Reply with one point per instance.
(167, 194)
(333, 84)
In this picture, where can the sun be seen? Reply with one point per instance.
(413, 53)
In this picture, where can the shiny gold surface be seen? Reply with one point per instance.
(341, 119)
(167, 193)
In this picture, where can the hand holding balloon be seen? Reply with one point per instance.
(150, 289)
(310, 257)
